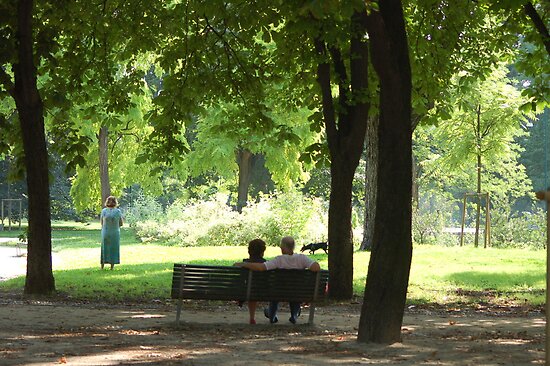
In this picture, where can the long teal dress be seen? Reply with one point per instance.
(110, 235)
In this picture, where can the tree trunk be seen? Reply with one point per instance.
(345, 137)
(478, 173)
(415, 192)
(39, 278)
(103, 140)
(244, 160)
(340, 230)
(389, 267)
(478, 201)
(371, 147)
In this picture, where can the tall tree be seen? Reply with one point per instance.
(345, 119)
(20, 33)
(443, 39)
(229, 142)
(388, 274)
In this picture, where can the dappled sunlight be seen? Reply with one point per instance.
(145, 316)
(94, 335)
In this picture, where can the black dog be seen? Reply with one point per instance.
(315, 246)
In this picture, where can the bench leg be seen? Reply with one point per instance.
(178, 313)
(311, 313)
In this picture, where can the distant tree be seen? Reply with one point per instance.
(228, 141)
(536, 151)
(477, 146)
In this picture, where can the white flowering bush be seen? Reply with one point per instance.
(213, 222)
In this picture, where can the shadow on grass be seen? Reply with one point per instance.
(82, 239)
(126, 283)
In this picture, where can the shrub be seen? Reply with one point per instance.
(524, 229)
(213, 222)
(429, 218)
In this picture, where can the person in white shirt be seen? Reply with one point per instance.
(288, 260)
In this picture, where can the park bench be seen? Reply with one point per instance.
(200, 282)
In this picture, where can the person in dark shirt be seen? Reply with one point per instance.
(256, 249)
(287, 260)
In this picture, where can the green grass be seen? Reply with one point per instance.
(442, 275)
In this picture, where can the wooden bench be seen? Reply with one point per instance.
(233, 283)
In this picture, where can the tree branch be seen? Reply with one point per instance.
(531, 12)
(323, 78)
(341, 75)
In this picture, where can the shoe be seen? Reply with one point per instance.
(252, 321)
(292, 320)
(271, 320)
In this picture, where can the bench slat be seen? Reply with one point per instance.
(201, 282)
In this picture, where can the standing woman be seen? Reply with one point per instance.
(111, 221)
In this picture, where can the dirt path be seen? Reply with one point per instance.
(40, 333)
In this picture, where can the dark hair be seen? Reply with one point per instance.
(111, 201)
(256, 248)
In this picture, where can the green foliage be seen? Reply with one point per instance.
(212, 222)
(535, 155)
(447, 154)
(429, 218)
(447, 38)
(518, 230)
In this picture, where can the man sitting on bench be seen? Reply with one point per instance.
(288, 260)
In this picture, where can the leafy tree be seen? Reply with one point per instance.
(111, 142)
(536, 151)
(476, 148)
(19, 53)
(227, 141)
(443, 39)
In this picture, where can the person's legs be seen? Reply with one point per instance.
(271, 311)
(252, 311)
(295, 309)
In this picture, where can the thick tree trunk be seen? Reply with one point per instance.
(371, 147)
(39, 278)
(244, 160)
(389, 267)
(103, 140)
(340, 229)
(345, 128)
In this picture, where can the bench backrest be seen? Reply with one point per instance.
(234, 283)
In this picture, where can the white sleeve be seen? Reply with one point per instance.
(307, 261)
(272, 264)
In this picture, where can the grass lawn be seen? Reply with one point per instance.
(442, 275)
